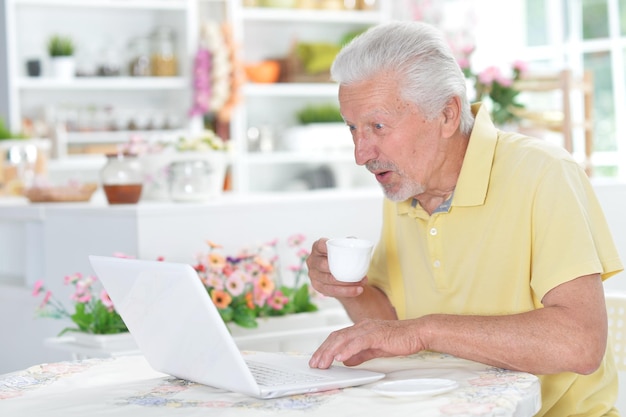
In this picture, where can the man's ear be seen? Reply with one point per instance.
(452, 116)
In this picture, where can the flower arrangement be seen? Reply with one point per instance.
(492, 85)
(501, 91)
(243, 288)
(248, 286)
(93, 313)
(208, 140)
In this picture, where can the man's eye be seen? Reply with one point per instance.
(351, 127)
(378, 126)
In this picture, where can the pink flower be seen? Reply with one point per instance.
(260, 296)
(277, 300)
(215, 281)
(82, 293)
(296, 240)
(489, 75)
(72, 279)
(303, 253)
(505, 82)
(106, 300)
(464, 63)
(468, 49)
(520, 66)
(38, 288)
(46, 299)
(235, 283)
(272, 243)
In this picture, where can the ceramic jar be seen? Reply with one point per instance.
(122, 179)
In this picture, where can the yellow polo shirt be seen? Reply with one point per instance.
(523, 219)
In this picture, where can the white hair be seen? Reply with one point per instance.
(418, 55)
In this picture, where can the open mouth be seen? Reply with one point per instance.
(382, 176)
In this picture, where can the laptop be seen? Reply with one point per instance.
(181, 333)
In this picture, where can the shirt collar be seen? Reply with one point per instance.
(473, 182)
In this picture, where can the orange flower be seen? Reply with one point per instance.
(249, 301)
(221, 299)
(213, 245)
(216, 261)
(265, 284)
(264, 264)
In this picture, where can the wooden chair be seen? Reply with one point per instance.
(558, 116)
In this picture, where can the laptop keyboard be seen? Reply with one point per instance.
(270, 376)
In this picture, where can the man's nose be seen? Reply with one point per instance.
(363, 149)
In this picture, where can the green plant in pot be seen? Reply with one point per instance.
(59, 45)
(61, 51)
(319, 113)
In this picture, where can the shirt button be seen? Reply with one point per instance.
(433, 231)
(437, 264)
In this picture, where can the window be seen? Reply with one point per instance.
(587, 35)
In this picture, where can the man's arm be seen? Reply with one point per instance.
(568, 335)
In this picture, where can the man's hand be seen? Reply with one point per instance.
(367, 340)
(321, 278)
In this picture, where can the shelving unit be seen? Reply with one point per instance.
(260, 32)
(269, 33)
(97, 26)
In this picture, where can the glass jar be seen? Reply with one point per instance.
(139, 59)
(190, 180)
(122, 179)
(164, 62)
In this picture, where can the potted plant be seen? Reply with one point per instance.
(96, 323)
(61, 51)
(248, 286)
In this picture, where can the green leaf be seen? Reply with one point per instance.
(245, 318)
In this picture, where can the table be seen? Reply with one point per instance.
(128, 386)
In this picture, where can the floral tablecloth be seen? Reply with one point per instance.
(127, 386)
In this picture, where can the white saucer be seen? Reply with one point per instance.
(415, 387)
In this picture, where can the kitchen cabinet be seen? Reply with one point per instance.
(260, 127)
(103, 104)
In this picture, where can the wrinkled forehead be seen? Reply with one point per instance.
(378, 95)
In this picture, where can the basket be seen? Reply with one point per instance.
(292, 70)
(66, 193)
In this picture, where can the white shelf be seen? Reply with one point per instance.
(104, 83)
(290, 90)
(267, 14)
(299, 157)
(120, 136)
(117, 4)
(261, 31)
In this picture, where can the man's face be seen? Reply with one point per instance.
(391, 137)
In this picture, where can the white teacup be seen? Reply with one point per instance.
(349, 258)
